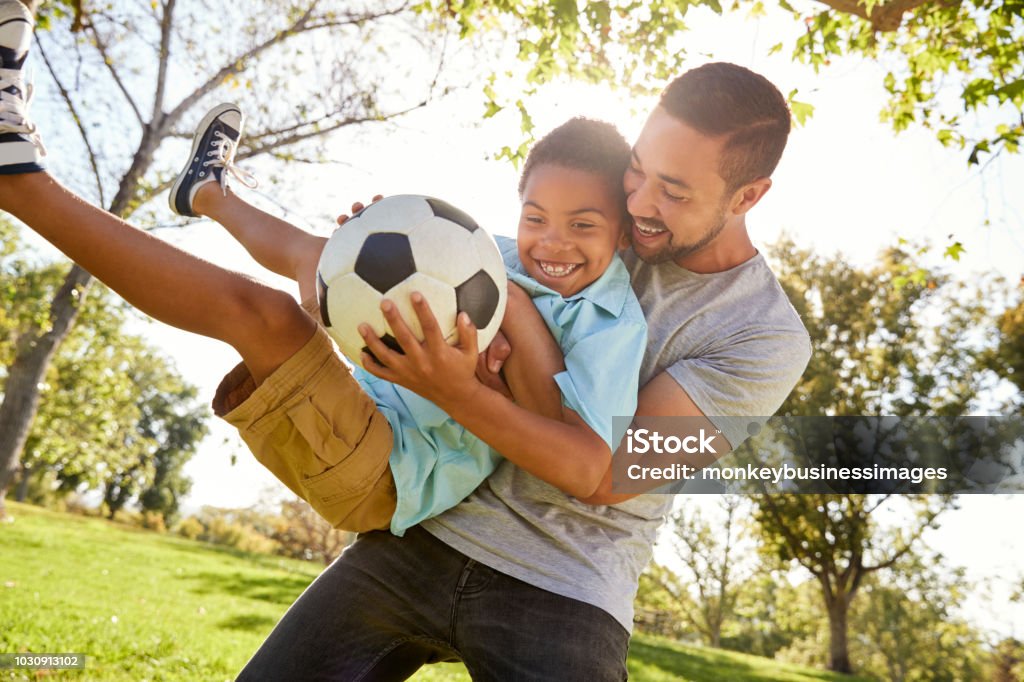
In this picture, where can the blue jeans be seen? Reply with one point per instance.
(390, 605)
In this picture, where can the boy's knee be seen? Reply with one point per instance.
(267, 328)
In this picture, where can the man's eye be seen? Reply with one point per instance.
(670, 196)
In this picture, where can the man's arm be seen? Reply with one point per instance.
(662, 396)
(536, 358)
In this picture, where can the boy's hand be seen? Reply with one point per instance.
(357, 207)
(441, 373)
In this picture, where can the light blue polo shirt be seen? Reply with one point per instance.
(436, 462)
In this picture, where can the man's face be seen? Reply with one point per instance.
(675, 193)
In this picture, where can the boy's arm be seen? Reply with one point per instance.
(265, 325)
(446, 375)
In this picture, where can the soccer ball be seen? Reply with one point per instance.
(399, 245)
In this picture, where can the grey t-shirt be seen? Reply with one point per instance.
(733, 342)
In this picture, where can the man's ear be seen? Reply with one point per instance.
(746, 197)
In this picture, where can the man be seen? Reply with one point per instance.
(520, 581)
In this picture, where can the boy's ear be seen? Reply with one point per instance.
(627, 225)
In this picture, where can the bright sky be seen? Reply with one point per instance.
(846, 184)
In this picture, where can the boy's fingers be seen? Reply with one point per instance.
(357, 207)
(467, 335)
(371, 365)
(406, 339)
(431, 330)
(383, 356)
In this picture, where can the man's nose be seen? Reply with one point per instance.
(639, 201)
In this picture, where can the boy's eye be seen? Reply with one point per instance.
(533, 219)
(581, 225)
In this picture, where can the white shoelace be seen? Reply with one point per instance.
(14, 109)
(223, 154)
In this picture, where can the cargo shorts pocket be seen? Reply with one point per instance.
(349, 468)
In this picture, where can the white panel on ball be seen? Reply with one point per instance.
(440, 295)
(444, 250)
(351, 301)
(399, 213)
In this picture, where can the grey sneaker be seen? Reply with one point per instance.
(21, 148)
(212, 158)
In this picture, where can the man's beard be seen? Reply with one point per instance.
(673, 251)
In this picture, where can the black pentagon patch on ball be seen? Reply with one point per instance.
(389, 341)
(442, 209)
(385, 259)
(321, 298)
(478, 297)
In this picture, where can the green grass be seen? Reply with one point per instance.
(145, 606)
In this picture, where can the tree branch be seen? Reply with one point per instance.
(299, 137)
(238, 64)
(166, 22)
(884, 17)
(78, 122)
(102, 49)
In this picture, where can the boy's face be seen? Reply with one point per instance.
(675, 194)
(569, 229)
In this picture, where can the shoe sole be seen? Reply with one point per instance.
(200, 132)
(14, 10)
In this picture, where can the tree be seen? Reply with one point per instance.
(908, 628)
(877, 352)
(166, 435)
(95, 393)
(302, 533)
(947, 59)
(708, 550)
(144, 53)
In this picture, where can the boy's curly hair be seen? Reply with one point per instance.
(587, 145)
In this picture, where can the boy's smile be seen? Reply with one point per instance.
(569, 229)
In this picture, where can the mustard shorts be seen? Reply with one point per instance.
(313, 426)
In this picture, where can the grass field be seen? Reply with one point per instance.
(144, 606)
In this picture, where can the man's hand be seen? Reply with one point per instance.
(357, 207)
(441, 373)
(490, 362)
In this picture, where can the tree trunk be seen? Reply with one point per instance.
(21, 393)
(23, 481)
(838, 651)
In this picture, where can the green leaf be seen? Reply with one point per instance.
(954, 250)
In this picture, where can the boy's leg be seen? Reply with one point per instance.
(263, 324)
(202, 189)
(276, 244)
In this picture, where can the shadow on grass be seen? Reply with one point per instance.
(275, 589)
(713, 665)
(250, 622)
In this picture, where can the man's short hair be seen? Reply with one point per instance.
(726, 100)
